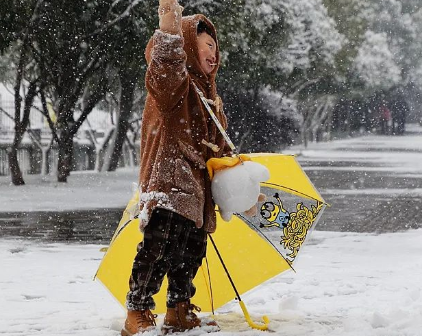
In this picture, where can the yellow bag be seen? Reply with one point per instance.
(216, 164)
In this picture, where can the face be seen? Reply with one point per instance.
(207, 49)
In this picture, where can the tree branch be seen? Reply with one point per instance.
(114, 21)
(50, 122)
(7, 113)
(92, 101)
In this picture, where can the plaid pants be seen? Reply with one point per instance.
(172, 245)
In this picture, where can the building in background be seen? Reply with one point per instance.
(39, 136)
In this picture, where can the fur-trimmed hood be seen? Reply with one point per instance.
(189, 28)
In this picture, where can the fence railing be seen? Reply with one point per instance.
(29, 158)
(24, 158)
(29, 154)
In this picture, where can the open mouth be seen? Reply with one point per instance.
(211, 63)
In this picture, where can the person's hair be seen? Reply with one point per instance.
(204, 28)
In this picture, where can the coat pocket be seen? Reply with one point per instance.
(191, 154)
(184, 180)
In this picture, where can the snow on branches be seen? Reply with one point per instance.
(312, 34)
(375, 63)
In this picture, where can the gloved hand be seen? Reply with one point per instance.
(170, 14)
(254, 210)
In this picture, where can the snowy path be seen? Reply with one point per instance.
(346, 284)
(374, 183)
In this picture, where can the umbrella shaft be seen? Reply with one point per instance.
(225, 268)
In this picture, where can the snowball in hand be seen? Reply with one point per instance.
(236, 189)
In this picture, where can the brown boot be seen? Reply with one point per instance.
(138, 321)
(182, 318)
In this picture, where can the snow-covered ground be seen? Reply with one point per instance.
(346, 283)
(398, 154)
(84, 190)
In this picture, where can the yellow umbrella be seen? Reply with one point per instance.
(250, 255)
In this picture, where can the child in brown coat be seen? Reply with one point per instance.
(177, 210)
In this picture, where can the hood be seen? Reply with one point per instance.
(189, 26)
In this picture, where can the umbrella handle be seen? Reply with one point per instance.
(242, 305)
(251, 323)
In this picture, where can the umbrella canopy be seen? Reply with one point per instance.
(254, 249)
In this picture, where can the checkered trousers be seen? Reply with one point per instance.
(172, 245)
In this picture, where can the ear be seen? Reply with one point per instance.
(252, 211)
(257, 171)
(226, 215)
(261, 197)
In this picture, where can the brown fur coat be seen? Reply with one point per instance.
(172, 173)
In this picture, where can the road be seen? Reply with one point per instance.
(373, 184)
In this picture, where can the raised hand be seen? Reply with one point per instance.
(170, 14)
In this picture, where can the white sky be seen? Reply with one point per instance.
(346, 283)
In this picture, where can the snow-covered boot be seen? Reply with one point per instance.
(138, 321)
(182, 318)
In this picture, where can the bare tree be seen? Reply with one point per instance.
(21, 36)
(72, 62)
(316, 117)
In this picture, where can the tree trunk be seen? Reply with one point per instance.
(304, 136)
(132, 152)
(102, 148)
(65, 159)
(97, 167)
(20, 129)
(15, 170)
(44, 160)
(126, 102)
